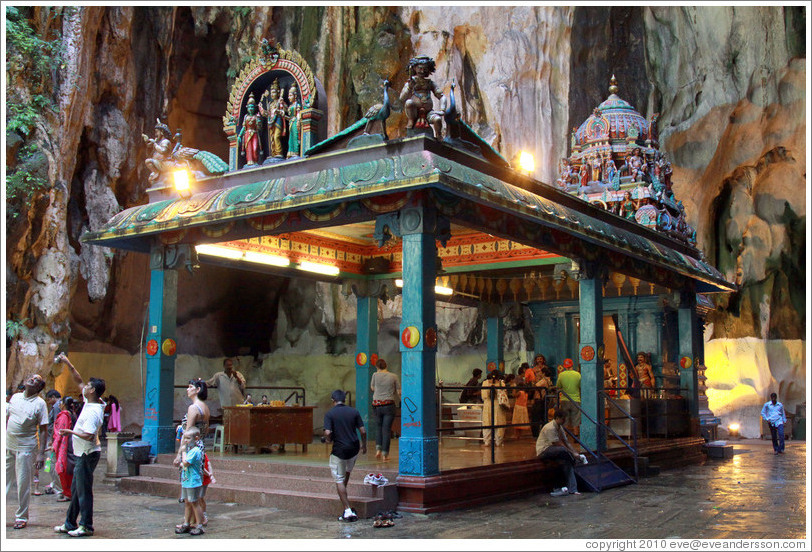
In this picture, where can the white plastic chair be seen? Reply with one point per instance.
(219, 441)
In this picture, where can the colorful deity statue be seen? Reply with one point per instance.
(248, 137)
(161, 155)
(416, 95)
(634, 163)
(294, 116)
(628, 206)
(277, 126)
(612, 174)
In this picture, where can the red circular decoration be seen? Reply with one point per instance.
(410, 337)
(491, 366)
(169, 347)
(587, 353)
(431, 338)
(685, 362)
(361, 359)
(373, 359)
(152, 347)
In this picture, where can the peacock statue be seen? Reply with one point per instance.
(379, 113)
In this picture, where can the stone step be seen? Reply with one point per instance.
(260, 467)
(320, 503)
(310, 480)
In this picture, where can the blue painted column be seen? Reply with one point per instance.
(418, 444)
(689, 348)
(496, 338)
(591, 310)
(366, 346)
(546, 333)
(159, 390)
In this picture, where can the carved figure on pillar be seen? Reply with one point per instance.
(249, 133)
(416, 94)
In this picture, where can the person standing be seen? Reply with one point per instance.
(470, 394)
(342, 424)
(553, 444)
(26, 425)
(230, 384)
(87, 450)
(535, 376)
(191, 483)
(493, 413)
(385, 395)
(569, 381)
(773, 413)
(63, 449)
(54, 401)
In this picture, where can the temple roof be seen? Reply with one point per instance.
(357, 186)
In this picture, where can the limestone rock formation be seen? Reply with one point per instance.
(732, 119)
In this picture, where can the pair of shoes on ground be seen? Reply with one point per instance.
(375, 479)
(382, 521)
(80, 531)
(186, 528)
(563, 491)
(349, 515)
(62, 498)
(390, 514)
(49, 490)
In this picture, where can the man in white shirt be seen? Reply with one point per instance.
(230, 385)
(26, 417)
(773, 413)
(87, 449)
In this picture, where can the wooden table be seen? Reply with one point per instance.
(258, 426)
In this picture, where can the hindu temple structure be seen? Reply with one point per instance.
(603, 258)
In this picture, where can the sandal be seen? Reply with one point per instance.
(20, 524)
(183, 528)
(37, 493)
(49, 490)
(197, 531)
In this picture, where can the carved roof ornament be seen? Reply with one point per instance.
(615, 162)
(269, 57)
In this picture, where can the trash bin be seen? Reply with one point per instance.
(135, 453)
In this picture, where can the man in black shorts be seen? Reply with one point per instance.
(340, 425)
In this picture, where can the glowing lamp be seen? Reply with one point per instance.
(264, 258)
(182, 183)
(328, 270)
(399, 283)
(733, 430)
(218, 251)
(443, 290)
(526, 162)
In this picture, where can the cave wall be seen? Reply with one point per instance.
(732, 120)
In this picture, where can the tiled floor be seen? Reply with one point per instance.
(754, 495)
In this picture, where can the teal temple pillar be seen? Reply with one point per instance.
(161, 348)
(690, 349)
(590, 358)
(366, 345)
(496, 338)
(418, 444)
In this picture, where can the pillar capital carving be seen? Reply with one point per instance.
(368, 288)
(412, 220)
(171, 257)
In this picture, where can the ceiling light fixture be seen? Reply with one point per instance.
(327, 270)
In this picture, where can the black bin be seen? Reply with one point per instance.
(135, 453)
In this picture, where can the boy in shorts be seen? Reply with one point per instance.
(191, 482)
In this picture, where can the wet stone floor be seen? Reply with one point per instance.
(754, 495)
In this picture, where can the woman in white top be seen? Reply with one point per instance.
(385, 392)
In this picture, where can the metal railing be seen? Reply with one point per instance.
(550, 398)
